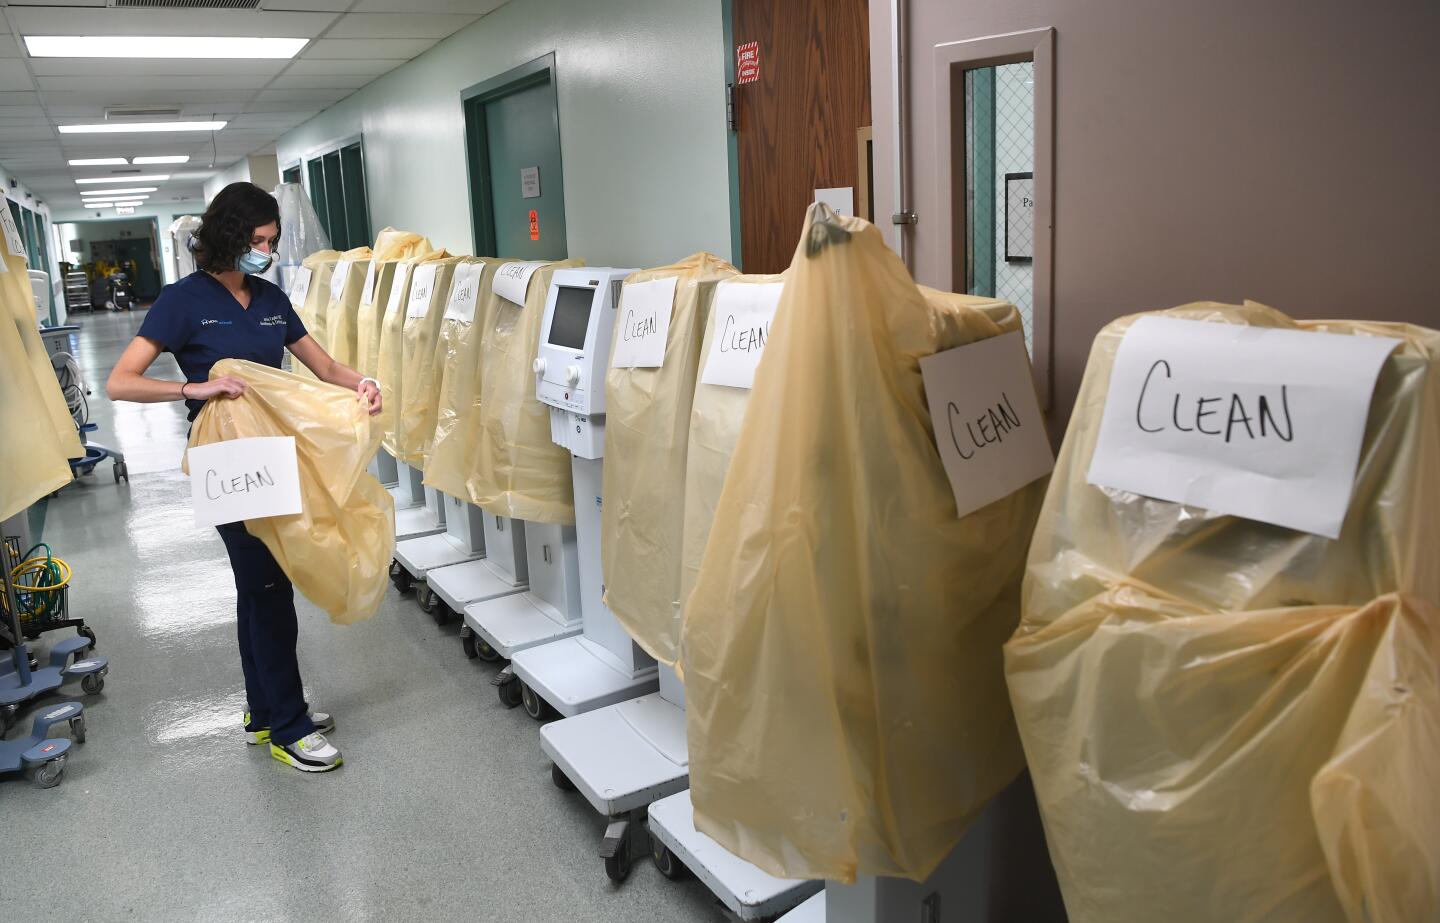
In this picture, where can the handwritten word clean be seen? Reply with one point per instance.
(1154, 415)
(993, 426)
(639, 329)
(744, 339)
(217, 487)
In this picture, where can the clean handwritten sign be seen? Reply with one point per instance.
(512, 280)
(987, 419)
(643, 326)
(368, 295)
(13, 241)
(742, 316)
(338, 279)
(244, 479)
(397, 289)
(1257, 422)
(301, 287)
(422, 290)
(464, 291)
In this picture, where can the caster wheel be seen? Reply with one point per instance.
(77, 729)
(92, 683)
(400, 577)
(562, 781)
(427, 599)
(7, 718)
(665, 860)
(509, 692)
(442, 613)
(535, 706)
(617, 867)
(49, 774)
(85, 631)
(484, 651)
(467, 644)
(121, 471)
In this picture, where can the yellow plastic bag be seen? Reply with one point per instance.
(370, 316)
(846, 701)
(716, 417)
(394, 244)
(37, 433)
(390, 358)
(347, 281)
(337, 551)
(311, 309)
(457, 353)
(647, 431)
(419, 373)
(517, 470)
(1227, 719)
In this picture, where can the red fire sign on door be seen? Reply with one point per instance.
(534, 224)
(747, 62)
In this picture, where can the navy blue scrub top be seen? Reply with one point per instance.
(200, 322)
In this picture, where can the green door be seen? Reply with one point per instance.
(513, 136)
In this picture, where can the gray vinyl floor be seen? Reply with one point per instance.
(444, 809)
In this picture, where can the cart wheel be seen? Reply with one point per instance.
(617, 867)
(562, 781)
(77, 729)
(48, 775)
(535, 706)
(400, 577)
(92, 683)
(7, 717)
(484, 651)
(510, 692)
(85, 631)
(426, 598)
(121, 470)
(665, 860)
(467, 644)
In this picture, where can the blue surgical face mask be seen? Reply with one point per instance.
(254, 262)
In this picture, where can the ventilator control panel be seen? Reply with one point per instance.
(574, 354)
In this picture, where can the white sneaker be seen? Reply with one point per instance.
(311, 753)
(323, 722)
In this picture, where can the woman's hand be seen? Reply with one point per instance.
(224, 386)
(369, 395)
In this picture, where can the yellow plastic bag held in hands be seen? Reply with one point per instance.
(37, 433)
(647, 431)
(1227, 719)
(518, 470)
(420, 375)
(337, 551)
(846, 699)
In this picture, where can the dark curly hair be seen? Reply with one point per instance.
(228, 224)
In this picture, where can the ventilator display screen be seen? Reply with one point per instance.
(571, 317)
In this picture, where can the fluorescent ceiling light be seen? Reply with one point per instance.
(147, 178)
(167, 158)
(130, 201)
(98, 204)
(101, 193)
(100, 162)
(123, 127)
(160, 46)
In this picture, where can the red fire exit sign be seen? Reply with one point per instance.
(747, 62)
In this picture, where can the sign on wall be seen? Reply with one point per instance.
(1019, 217)
(747, 63)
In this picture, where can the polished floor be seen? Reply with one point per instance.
(444, 809)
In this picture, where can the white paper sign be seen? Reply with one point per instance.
(840, 198)
(1245, 421)
(643, 327)
(513, 279)
(988, 425)
(397, 289)
(368, 296)
(464, 291)
(13, 241)
(338, 279)
(530, 183)
(422, 290)
(244, 479)
(301, 288)
(743, 313)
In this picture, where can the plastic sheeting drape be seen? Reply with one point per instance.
(301, 233)
(312, 309)
(342, 303)
(37, 433)
(370, 316)
(420, 373)
(457, 413)
(846, 702)
(1230, 720)
(518, 470)
(337, 551)
(647, 432)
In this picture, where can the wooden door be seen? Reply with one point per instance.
(797, 124)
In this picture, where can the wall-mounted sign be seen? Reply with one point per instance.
(747, 62)
(534, 224)
(1019, 217)
(530, 183)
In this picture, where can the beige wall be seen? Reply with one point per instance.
(1287, 152)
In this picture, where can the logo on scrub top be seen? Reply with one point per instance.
(274, 320)
(208, 322)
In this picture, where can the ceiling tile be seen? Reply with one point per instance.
(123, 96)
(151, 67)
(361, 48)
(399, 25)
(9, 48)
(319, 82)
(320, 97)
(118, 22)
(173, 85)
(19, 99)
(13, 75)
(372, 67)
(473, 7)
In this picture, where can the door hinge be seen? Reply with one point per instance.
(730, 107)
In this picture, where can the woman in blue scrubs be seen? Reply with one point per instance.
(224, 310)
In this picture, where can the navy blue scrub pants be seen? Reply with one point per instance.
(265, 604)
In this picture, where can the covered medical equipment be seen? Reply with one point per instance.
(390, 359)
(301, 233)
(337, 550)
(347, 284)
(182, 232)
(847, 710)
(39, 433)
(419, 371)
(391, 246)
(310, 295)
(518, 470)
(1227, 719)
(646, 443)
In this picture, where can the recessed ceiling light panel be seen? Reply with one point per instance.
(100, 162)
(114, 192)
(161, 46)
(146, 178)
(127, 127)
(167, 158)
